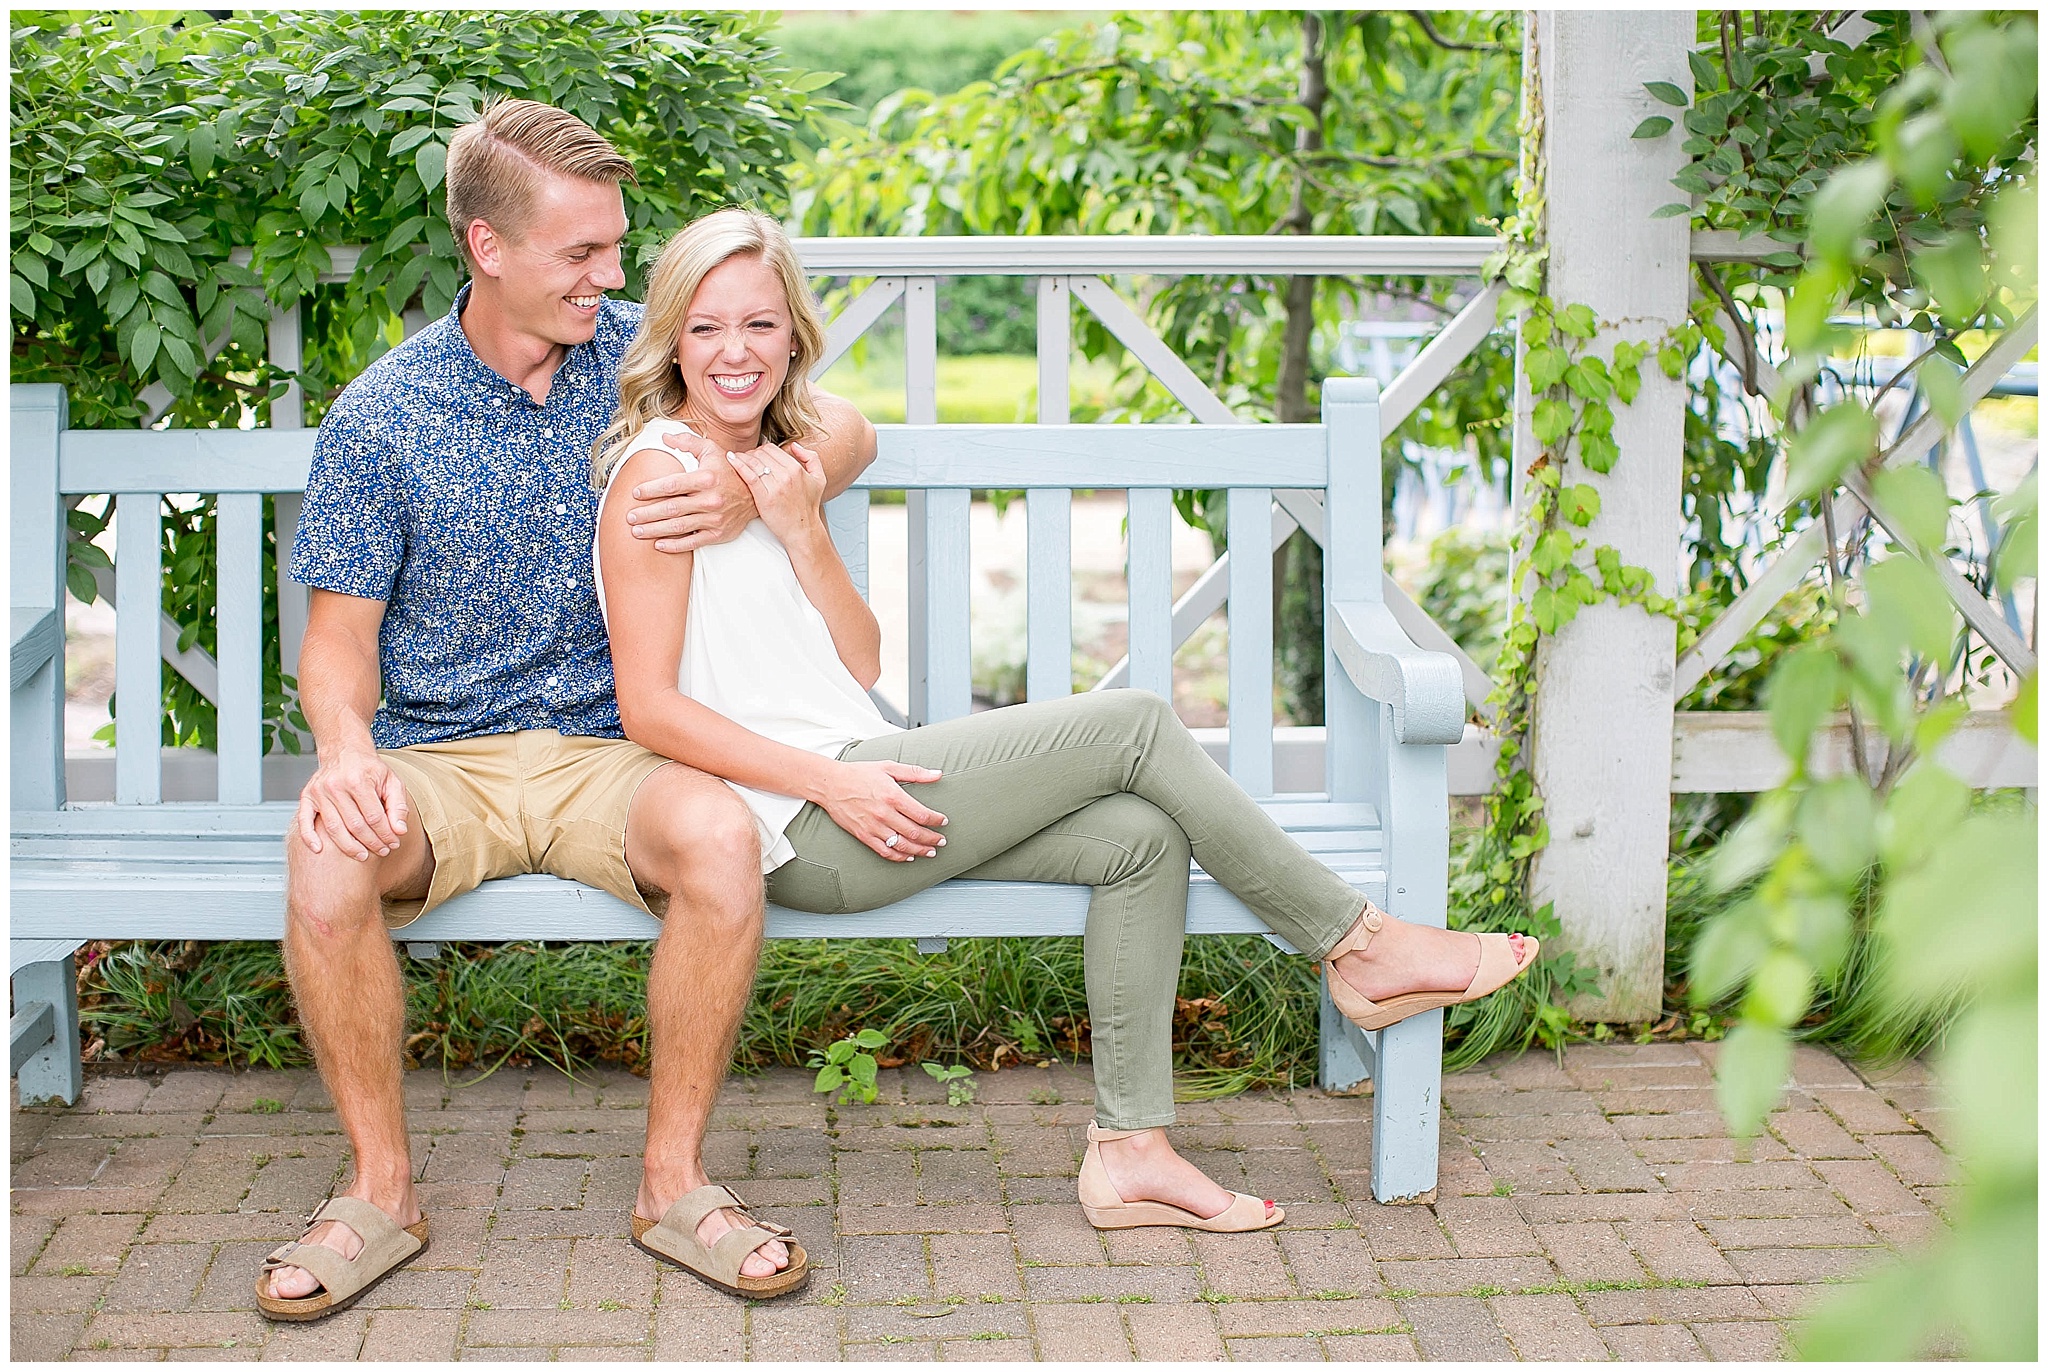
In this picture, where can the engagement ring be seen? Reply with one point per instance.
(891, 841)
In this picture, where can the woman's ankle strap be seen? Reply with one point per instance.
(1097, 1134)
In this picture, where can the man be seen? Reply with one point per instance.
(446, 533)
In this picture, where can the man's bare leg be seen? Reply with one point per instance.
(690, 840)
(351, 1000)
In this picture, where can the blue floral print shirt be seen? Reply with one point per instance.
(444, 490)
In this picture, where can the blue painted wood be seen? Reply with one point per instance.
(33, 1028)
(53, 1072)
(958, 456)
(1250, 527)
(846, 518)
(138, 665)
(35, 561)
(1151, 591)
(1097, 456)
(239, 648)
(35, 637)
(1049, 594)
(945, 578)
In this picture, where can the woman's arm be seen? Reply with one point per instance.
(790, 498)
(647, 596)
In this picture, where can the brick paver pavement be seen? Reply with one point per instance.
(1594, 1209)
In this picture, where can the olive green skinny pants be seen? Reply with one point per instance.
(1107, 790)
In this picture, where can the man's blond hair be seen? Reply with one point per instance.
(496, 164)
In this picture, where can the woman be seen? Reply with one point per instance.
(751, 660)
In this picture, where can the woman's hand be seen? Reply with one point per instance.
(867, 800)
(788, 486)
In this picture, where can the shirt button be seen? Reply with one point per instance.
(547, 433)
(554, 681)
(561, 509)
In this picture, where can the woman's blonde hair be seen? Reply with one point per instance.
(650, 384)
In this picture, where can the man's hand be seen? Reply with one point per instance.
(358, 800)
(686, 511)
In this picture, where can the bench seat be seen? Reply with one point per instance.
(217, 872)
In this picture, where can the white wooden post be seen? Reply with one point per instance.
(1600, 745)
(35, 558)
(1049, 517)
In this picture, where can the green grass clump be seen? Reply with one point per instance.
(1246, 1014)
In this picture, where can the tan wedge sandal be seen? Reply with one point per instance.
(1497, 967)
(1106, 1209)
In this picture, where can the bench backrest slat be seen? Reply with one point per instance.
(138, 663)
(1249, 523)
(846, 518)
(940, 577)
(1048, 594)
(239, 648)
(1150, 578)
(1352, 564)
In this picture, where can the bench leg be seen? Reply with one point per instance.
(1406, 1105)
(1346, 1053)
(55, 1073)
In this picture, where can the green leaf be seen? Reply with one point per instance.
(1579, 503)
(1780, 990)
(1801, 695)
(142, 348)
(1832, 442)
(2026, 709)
(871, 1038)
(1656, 126)
(1823, 930)
(1728, 950)
(1845, 204)
(22, 294)
(199, 150)
(1837, 821)
(431, 162)
(1672, 210)
(1906, 601)
(863, 1070)
(828, 1079)
(1668, 93)
(1954, 273)
(1750, 1073)
(1914, 499)
(1941, 383)
(1579, 321)
(1551, 421)
(1920, 813)
(1754, 844)
(1544, 365)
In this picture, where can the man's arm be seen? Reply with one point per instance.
(356, 799)
(684, 511)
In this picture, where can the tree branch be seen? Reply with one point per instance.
(1429, 32)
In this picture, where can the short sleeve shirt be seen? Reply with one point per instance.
(444, 490)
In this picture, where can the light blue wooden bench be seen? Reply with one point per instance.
(141, 867)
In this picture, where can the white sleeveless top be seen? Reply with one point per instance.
(757, 651)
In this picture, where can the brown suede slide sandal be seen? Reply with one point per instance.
(674, 1240)
(343, 1281)
(1497, 967)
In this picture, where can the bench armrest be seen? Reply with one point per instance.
(33, 636)
(1425, 689)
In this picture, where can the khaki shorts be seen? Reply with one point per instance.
(533, 801)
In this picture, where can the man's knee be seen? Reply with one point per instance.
(700, 843)
(330, 895)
